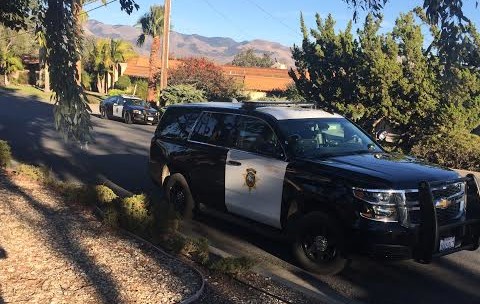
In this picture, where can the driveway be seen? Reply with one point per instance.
(120, 155)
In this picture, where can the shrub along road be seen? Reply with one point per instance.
(120, 156)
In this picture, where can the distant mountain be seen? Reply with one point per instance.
(219, 49)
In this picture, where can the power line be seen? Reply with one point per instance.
(274, 18)
(230, 21)
(82, 13)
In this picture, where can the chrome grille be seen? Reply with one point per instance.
(454, 192)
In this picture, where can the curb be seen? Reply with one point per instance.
(192, 298)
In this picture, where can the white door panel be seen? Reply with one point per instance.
(254, 186)
(118, 111)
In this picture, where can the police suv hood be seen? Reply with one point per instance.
(141, 108)
(384, 171)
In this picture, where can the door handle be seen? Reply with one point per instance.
(234, 163)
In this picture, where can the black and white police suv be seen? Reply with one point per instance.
(129, 108)
(316, 177)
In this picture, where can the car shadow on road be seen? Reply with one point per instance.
(59, 236)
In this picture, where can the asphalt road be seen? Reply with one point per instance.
(120, 155)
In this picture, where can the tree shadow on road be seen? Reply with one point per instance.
(59, 235)
(119, 153)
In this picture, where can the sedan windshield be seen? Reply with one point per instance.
(322, 137)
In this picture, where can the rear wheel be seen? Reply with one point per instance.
(318, 244)
(179, 196)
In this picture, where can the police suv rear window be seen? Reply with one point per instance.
(177, 123)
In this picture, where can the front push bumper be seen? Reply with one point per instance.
(422, 242)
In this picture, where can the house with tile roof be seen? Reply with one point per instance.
(256, 81)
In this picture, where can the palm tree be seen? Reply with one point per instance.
(9, 63)
(118, 51)
(152, 25)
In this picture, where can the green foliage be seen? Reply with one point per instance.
(104, 194)
(456, 150)
(142, 88)
(86, 81)
(248, 58)
(205, 75)
(123, 83)
(5, 154)
(233, 265)
(181, 93)
(196, 249)
(102, 59)
(114, 92)
(151, 23)
(135, 215)
(33, 172)
(111, 216)
(388, 80)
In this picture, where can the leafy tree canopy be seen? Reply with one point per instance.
(204, 75)
(248, 58)
(181, 93)
(388, 79)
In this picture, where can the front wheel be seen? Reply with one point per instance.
(128, 118)
(318, 244)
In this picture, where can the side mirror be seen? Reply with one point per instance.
(382, 135)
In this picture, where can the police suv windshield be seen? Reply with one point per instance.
(322, 137)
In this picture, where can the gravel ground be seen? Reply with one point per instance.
(53, 253)
(222, 289)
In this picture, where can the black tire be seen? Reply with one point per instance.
(103, 113)
(318, 243)
(178, 195)
(128, 118)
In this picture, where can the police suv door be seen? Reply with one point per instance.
(118, 107)
(254, 173)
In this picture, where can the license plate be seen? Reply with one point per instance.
(150, 118)
(447, 243)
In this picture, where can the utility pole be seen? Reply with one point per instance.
(165, 46)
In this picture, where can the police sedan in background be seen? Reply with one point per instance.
(128, 108)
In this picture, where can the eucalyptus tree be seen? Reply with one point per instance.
(152, 26)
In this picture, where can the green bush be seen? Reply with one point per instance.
(123, 83)
(181, 93)
(141, 90)
(135, 215)
(459, 150)
(114, 92)
(33, 172)
(111, 216)
(197, 249)
(86, 81)
(233, 265)
(5, 154)
(104, 194)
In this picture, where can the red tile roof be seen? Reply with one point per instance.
(253, 79)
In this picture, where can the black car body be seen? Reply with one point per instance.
(315, 176)
(129, 108)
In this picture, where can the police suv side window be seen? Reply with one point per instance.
(215, 129)
(256, 136)
(177, 123)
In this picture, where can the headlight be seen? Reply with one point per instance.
(137, 112)
(383, 205)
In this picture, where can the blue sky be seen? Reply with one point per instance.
(273, 20)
